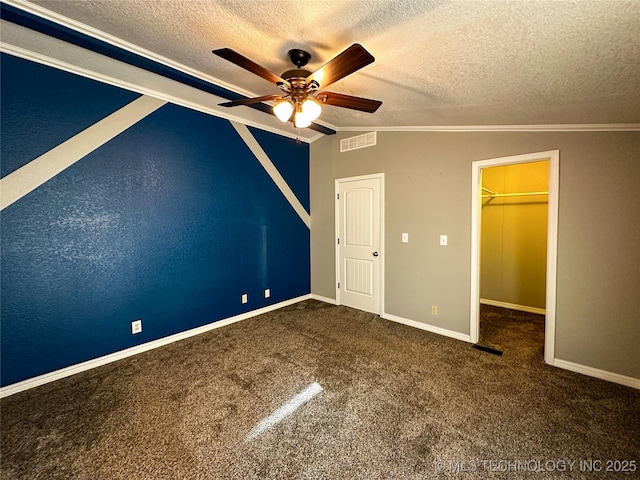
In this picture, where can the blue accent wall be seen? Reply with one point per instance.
(169, 222)
(42, 107)
(286, 158)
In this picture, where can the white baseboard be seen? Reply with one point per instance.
(88, 365)
(513, 306)
(597, 373)
(112, 357)
(427, 327)
(320, 298)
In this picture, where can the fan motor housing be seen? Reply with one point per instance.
(299, 57)
(295, 73)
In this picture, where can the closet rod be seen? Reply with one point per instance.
(496, 194)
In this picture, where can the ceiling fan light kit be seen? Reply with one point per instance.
(301, 99)
(283, 110)
(311, 108)
(301, 121)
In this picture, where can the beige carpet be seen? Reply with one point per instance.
(315, 391)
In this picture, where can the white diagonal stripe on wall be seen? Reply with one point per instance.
(38, 171)
(273, 172)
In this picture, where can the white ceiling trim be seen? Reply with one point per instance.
(21, 42)
(308, 136)
(117, 42)
(600, 127)
(245, 117)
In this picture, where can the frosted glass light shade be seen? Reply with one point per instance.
(283, 110)
(311, 109)
(300, 120)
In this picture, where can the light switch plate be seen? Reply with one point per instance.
(405, 238)
(443, 240)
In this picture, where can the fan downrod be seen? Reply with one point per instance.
(299, 57)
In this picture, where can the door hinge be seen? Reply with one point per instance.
(338, 284)
(338, 241)
(338, 196)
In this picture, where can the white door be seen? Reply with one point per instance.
(359, 218)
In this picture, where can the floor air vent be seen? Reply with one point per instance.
(493, 351)
(359, 141)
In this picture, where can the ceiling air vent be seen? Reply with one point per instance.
(359, 141)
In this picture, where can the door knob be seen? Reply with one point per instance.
(375, 254)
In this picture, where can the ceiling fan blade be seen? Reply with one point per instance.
(352, 59)
(249, 101)
(253, 67)
(347, 101)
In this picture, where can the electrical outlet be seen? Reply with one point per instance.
(434, 310)
(244, 298)
(136, 327)
(267, 293)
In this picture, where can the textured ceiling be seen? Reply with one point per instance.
(453, 63)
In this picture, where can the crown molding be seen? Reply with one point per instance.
(101, 36)
(92, 32)
(244, 115)
(597, 127)
(173, 93)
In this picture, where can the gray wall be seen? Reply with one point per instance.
(428, 192)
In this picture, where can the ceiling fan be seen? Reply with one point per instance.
(302, 98)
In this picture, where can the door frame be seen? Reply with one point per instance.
(338, 181)
(552, 242)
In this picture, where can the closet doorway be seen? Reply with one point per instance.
(516, 198)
